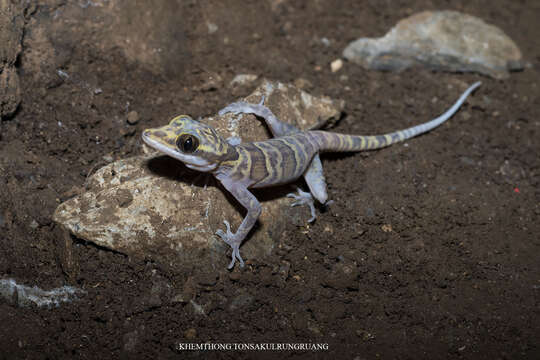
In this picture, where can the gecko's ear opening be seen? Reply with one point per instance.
(187, 143)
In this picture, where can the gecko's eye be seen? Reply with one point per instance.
(187, 143)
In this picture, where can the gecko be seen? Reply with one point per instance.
(290, 154)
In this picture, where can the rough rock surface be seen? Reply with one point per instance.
(11, 29)
(442, 40)
(24, 296)
(153, 207)
(143, 34)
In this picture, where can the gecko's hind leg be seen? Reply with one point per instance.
(317, 185)
(314, 177)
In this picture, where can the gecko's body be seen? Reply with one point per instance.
(283, 159)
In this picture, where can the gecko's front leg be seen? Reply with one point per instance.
(253, 207)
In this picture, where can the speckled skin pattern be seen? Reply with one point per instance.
(283, 159)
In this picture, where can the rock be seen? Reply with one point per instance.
(212, 28)
(153, 207)
(241, 302)
(34, 224)
(243, 79)
(153, 38)
(66, 256)
(336, 65)
(11, 30)
(213, 81)
(440, 40)
(132, 117)
(343, 275)
(22, 295)
(197, 309)
(190, 334)
(511, 172)
(303, 84)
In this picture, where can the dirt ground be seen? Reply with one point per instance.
(431, 249)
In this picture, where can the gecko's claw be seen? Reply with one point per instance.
(230, 239)
(304, 198)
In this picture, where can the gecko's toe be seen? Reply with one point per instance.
(235, 256)
(233, 260)
(233, 242)
(304, 198)
(238, 256)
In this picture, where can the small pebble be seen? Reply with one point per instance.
(132, 117)
(179, 298)
(243, 79)
(287, 27)
(241, 301)
(325, 41)
(212, 28)
(303, 84)
(190, 334)
(336, 65)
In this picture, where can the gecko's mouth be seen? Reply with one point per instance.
(191, 161)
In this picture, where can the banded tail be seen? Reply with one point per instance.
(341, 142)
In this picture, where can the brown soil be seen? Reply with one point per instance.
(430, 250)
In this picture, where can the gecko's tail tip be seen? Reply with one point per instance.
(475, 85)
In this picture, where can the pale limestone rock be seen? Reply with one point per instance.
(152, 206)
(243, 79)
(25, 296)
(440, 40)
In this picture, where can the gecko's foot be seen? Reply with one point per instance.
(230, 239)
(242, 107)
(304, 198)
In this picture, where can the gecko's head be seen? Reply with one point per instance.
(195, 144)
